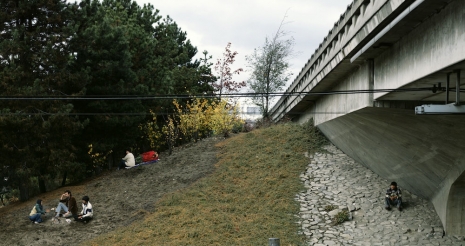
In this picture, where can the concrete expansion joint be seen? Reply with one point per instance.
(335, 183)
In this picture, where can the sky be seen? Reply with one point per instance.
(211, 24)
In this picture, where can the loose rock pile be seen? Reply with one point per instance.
(335, 183)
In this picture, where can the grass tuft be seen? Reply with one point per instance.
(248, 199)
(330, 208)
(341, 217)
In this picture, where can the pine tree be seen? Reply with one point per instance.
(34, 48)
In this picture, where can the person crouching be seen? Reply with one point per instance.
(87, 212)
(36, 213)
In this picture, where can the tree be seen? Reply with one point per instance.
(128, 50)
(36, 136)
(269, 66)
(223, 68)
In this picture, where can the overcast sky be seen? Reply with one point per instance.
(211, 24)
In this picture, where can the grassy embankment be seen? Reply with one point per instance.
(248, 199)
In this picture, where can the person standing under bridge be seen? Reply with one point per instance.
(393, 197)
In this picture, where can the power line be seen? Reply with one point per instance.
(186, 96)
(181, 96)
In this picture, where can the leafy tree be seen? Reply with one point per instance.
(225, 82)
(101, 49)
(269, 66)
(129, 50)
(37, 136)
(111, 34)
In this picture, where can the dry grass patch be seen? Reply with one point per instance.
(248, 199)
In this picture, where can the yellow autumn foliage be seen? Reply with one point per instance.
(198, 119)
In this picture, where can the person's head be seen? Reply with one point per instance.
(39, 201)
(128, 151)
(85, 199)
(393, 185)
(68, 192)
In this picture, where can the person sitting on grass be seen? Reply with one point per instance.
(127, 161)
(68, 204)
(87, 212)
(36, 212)
(393, 197)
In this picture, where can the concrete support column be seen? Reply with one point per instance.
(457, 88)
(371, 79)
(455, 214)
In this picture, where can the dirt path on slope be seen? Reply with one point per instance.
(119, 198)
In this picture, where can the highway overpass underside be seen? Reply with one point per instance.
(424, 154)
(361, 86)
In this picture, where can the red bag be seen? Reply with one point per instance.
(149, 156)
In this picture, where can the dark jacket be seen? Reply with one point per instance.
(394, 193)
(72, 205)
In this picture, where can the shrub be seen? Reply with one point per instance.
(340, 217)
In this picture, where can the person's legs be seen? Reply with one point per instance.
(387, 203)
(85, 219)
(35, 218)
(75, 216)
(398, 203)
(122, 165)
(60, 207)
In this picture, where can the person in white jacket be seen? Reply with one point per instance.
(87, 211)
(127, 161)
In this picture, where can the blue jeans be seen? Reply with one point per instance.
(60, 207)
(36, 218)
(122, 165)
(397, 202)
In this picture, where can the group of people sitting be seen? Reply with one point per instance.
(67, 207)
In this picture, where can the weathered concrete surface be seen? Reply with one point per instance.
(424, 153)
(435, 45)
(333, 106)
(333, 178)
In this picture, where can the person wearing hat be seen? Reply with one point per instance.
(87, 212)
(36, 212)
(393, 197)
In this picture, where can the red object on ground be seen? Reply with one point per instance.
(149, 156)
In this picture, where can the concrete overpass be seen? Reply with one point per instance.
(390, 50)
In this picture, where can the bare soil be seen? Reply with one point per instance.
(119, 198)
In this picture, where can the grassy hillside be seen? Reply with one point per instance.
(248, 199)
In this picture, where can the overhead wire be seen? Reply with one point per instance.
(184, 96)
(188, 96)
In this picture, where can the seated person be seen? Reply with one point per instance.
(393, 197)
(87, 212)
(67, 204)
(127, 161)
(36, 212)
(63, 204)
